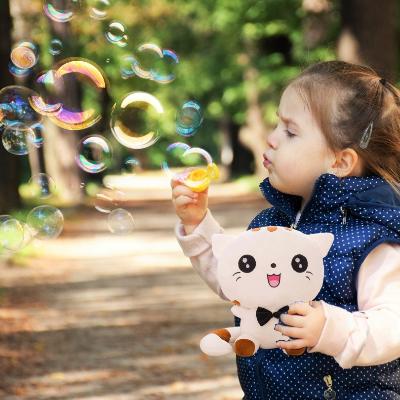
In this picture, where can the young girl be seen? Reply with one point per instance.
(333, 165)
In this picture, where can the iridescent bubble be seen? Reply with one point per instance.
(99, 9)
(131, 165)
(189, 118)
(15, 106)
(149, 54)
(56, 47)
(135, 120)
(41, 186)
(18, 72)
(94, 154)
(61, 10)
(108, 199)
(45, 222)
(127, 63)
(86, 71)
(17, 138)
(199, 169)
(24, 55)
(163, 70)
(116, 34)
(11, 233)
(120, 221)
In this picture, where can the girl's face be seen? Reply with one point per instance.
(297, 152)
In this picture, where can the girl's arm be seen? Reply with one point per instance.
(370, 336)
(197, 246)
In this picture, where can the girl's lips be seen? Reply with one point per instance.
(266, 162)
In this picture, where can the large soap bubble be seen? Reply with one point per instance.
(45, 222)
(24, 55)
(16, 108)
(17, 138)
(135, 120)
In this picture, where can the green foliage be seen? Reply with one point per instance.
(216, 41)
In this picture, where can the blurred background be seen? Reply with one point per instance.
(97, 301)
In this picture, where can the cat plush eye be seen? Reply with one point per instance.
(247, 263)
(299, 263)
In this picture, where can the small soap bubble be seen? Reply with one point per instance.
(189, 118)
(45, 222)
(94, 154)
(149, 54)
(120, 222)
(135, 120)
(131, 165)
(56, 47)
(24, 55)
(15, 106)
(61, 10)
(115, 34)
(164, 69)
(17, 138)
(41, 186)
(99, 8)
(11, 233)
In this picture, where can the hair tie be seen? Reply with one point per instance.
(383, 81)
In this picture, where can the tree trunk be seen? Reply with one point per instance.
(9, 164)
(369, 35)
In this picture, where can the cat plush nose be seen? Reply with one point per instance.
(273, 265)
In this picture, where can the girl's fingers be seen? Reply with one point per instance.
(300, 308)
(292, 320)
(184, 200)
(289, 331)
(291, 344)
(183, 191)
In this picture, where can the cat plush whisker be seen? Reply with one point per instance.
(308, 278)
(236, 273)
(238, 278)
(309, 272)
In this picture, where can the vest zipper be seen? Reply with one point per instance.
(329, 394)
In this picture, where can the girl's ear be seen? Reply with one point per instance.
(219, 241)
(323, 241)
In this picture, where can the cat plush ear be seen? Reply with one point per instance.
(219, 241)
(323, 240)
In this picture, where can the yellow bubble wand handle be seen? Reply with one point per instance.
(199, 179)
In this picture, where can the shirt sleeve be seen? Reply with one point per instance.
(370, 336)
(197, 246)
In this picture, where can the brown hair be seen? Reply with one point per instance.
(345, 99)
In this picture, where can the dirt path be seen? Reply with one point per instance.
(97, 316)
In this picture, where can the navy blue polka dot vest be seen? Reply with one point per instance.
(361, 212)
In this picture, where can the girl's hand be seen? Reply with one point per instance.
(190, 207)
(305, 327)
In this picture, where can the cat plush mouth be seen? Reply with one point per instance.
(274, 280)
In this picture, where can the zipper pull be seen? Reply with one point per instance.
(344, 214)
(329, 393)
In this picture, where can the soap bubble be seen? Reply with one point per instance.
(61, 10)
(194, 165)
(11, 233)
(15, 106)
(99, 8)
(116, 34)
(18, 72)
(189, 118)
(120, 222)
(127, 63)
(135, 120)
(130, 165)
(162, 72)
(85, 71)
(17, 138)
(24, 55)
(94, 154)
(41, 186)
(45, 222)
(150, 53)
(56, 47)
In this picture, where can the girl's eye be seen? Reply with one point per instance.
(289, 134)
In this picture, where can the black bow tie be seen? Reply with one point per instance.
(263, 315)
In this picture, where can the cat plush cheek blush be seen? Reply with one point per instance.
(262, 271)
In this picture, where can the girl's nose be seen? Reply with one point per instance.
(272, 141)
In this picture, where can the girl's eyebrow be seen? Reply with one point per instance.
(286, 120)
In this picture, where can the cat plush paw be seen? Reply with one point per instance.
(213, 345)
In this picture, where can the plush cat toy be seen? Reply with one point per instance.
(262, 271)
